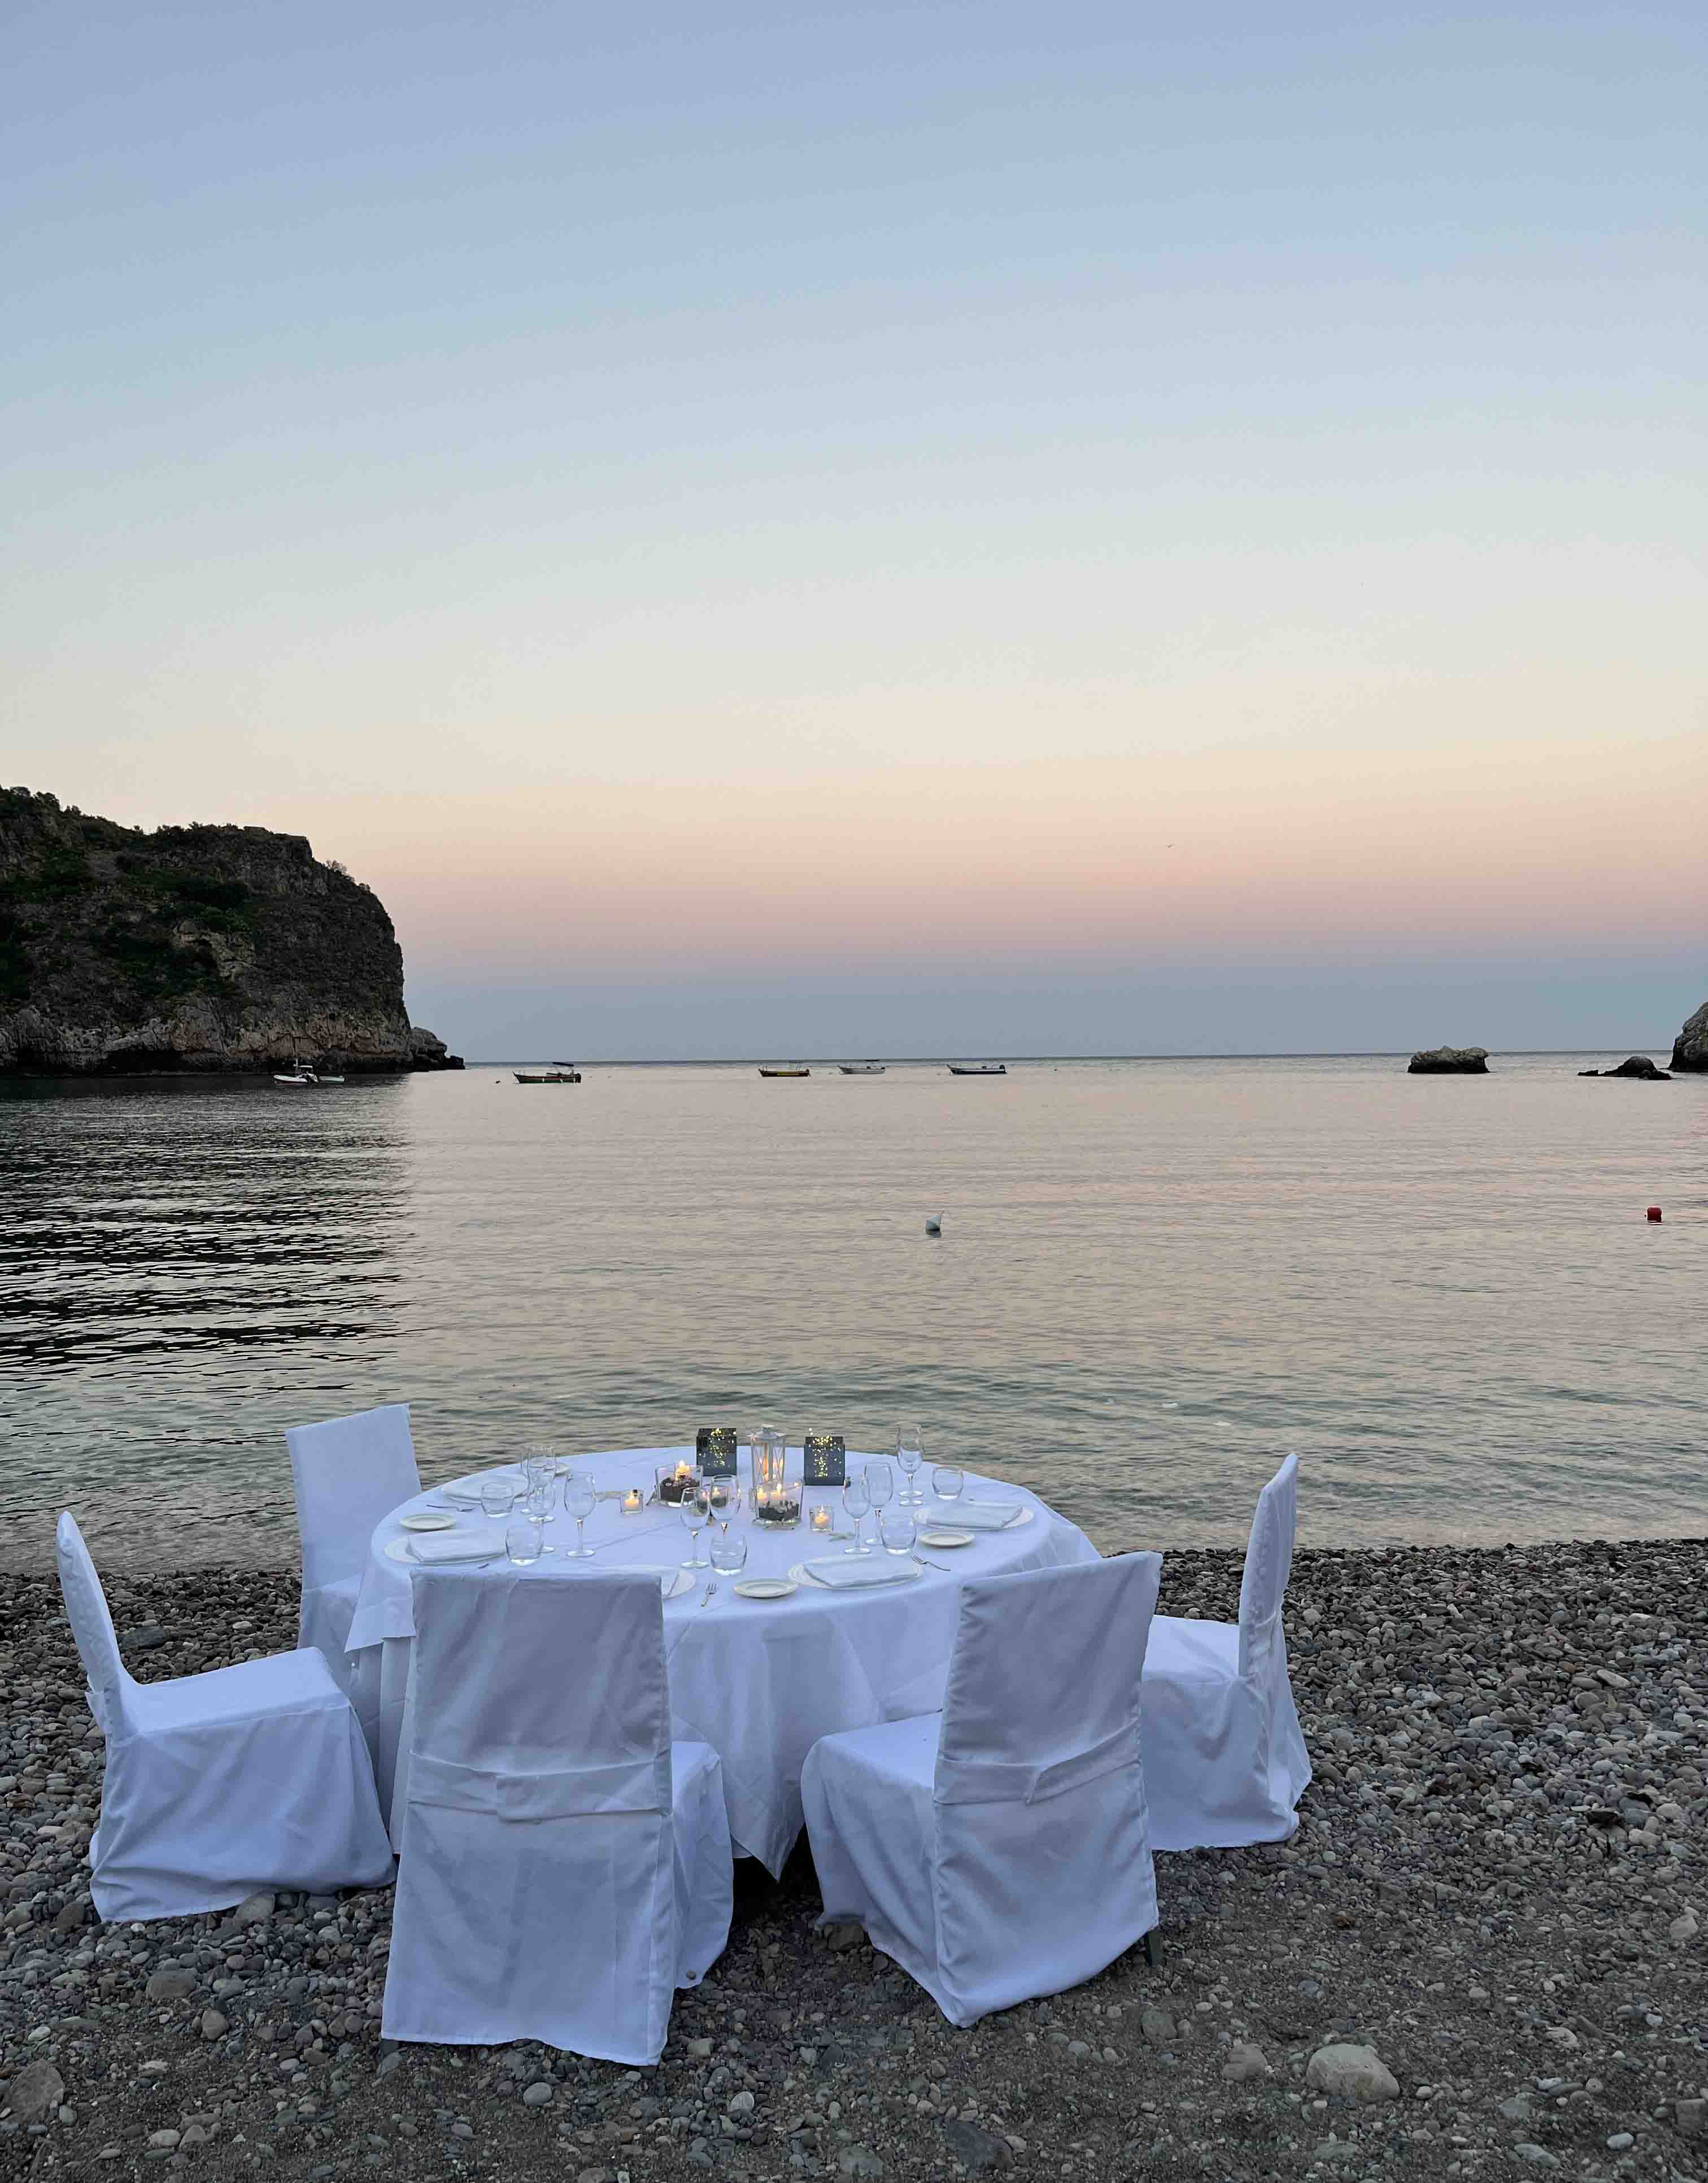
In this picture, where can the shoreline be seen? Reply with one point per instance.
(1495, 1883)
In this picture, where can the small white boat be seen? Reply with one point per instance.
(978, 1069)
(558, 1073)
(786, 1072)
(861, 1068)
(302, 1078)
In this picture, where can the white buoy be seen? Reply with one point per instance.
(933, 1224)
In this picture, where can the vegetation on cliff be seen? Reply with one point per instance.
(191, 947)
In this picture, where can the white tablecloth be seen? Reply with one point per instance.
(759, 1680)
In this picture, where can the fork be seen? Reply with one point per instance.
(712, 1587)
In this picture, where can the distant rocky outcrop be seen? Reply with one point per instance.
(193, 947)
(1450, 1061)
(1690, 1047)
(1639, 1066)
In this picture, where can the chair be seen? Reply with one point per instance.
(348, 1473)
(1225, 1761)
(564, 1866)
(1000, 1850)
(217, 1786)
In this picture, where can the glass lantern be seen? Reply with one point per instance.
(776, 1495)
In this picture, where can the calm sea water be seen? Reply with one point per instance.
(1155, 1278)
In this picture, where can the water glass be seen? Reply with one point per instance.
(946, 1482)
(581, 1498)
(498, 1496)
(695, 1513)
(729, 1550)
(525, 1540)
(857, 1502)
(880, 1482)
(896, 1527)
(909, 1453)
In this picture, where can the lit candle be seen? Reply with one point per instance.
(821, 1518)
(683, 1472)
(631, 1502)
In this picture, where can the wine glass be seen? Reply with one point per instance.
(696, 1512)
(880, 1483)
(946, 1482)
(581, 1498)
(909, 1453)
(536, 1499)
(897, 1528)
(856, 1501)
(525, 1540)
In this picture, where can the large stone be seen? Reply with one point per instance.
(1246, 2064)
(976, 2148)
(1690, 1047)
(1351, 2073)
(1639, 1067)
(1450, 1061)
(36, 2091)
(1156, 2026)
(171, 1982)
(254, 1909)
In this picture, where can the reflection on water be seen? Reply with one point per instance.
(1154, 1279)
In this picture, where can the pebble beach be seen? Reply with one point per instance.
(1480, 1956)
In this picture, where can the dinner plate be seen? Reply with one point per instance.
(398, 1550)
(945, 1538)
(764, 1588)
(427, 1520)
(802, 1574)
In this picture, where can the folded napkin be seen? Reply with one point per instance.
(457, 1546)
(851, 1572)
(976, 1515)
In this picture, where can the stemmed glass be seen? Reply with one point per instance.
(536, 1499)
(857, 1502)
(880, 1483)
(909, 1453)
(581, 1498)
(695, 1513)
(541, 1462)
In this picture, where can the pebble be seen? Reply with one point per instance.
(537, 2095)
(35, 2091)
(1352, 2073)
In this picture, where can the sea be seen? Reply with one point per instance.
(1154, 1279)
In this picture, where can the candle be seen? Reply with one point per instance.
(822, 1519)
(683, 1472)
(631, 1502)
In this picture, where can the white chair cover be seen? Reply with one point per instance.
(564, 1866)
(219, 1785)
(348, 1473)
(1225, 1761)
(1000, 1850)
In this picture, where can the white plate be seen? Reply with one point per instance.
(764, 1588)
(675, 1582)
(398, 1550)
(945, 1538)
(802, 1574)
(426, 1520)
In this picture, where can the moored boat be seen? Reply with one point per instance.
(558, 1073)
(861, 1068)
(978, 1069)
(786, 1072)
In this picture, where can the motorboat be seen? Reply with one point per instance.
(861, 1068)
(786, 1072)
(978, 1069)
(560, 1072)
(302, 1078)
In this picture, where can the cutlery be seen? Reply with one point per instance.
(711, 1586)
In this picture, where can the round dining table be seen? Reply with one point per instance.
(760, 1681)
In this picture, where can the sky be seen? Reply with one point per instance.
(779, 530)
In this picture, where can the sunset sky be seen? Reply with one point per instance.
(772, 529)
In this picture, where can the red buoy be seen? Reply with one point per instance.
(1654, 1212)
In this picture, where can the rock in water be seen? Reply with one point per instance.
(190, 948)
(1638, 1066)
(1690, 1047)
(1450, 1061)
(1354, 2073)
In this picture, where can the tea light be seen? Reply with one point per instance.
(632, 1503)
(821, 1518)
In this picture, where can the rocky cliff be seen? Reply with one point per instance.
(193, 947)
(1690, 1047)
